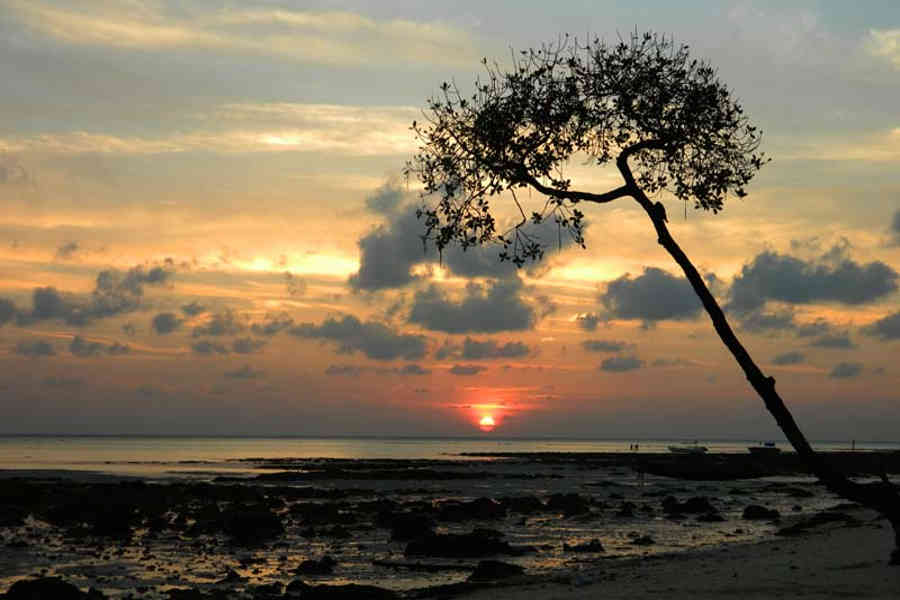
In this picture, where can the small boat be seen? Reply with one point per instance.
(688, 449)
(765, 449)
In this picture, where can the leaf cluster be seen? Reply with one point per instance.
(643, 103)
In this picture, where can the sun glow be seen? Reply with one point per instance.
(487, 423)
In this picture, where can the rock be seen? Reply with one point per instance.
(592, 546)
(695, 505)
(797, 492)
(626, 510)
(351, 591)
(251, 525)
(266, 591)
(43, 588)
(461, 545)
(323, 566)
(644, 540)
(711, 517)
(568, 504)
(523, 504)
(185, 594)
(757, 512)
(408, 526)
(490, 570)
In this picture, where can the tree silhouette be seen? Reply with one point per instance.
(644, 105)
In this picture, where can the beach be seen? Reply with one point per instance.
(512, 525)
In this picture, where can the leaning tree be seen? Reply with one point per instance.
(644, 105)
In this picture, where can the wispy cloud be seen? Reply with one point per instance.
(335, 38)
(884, 43)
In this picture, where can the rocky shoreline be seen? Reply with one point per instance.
(329, 528)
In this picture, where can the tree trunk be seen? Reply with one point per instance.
(883, 496)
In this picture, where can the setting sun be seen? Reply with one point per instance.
(487, 423)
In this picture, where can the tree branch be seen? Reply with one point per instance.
(573, 195)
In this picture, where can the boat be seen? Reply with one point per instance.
(688, 449)
(765, 449)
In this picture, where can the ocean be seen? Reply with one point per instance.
(169, 457)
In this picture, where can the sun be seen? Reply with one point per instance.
(487, 423)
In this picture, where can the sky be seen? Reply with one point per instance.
(206, 229)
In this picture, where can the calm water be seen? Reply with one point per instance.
(202, 456)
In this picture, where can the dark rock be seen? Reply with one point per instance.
(592, 546)
(644, 540)
(523, 504)
(251, 525)
(266, 591)
(757, 512)
(43, 588)
(323, 566)
(626, 510)
(796, 492)
(568, 504)
(456, 545)
(185, 594)
(490, 570)
(695, 505)
(352, 591)
(711, 517)
(408, 526)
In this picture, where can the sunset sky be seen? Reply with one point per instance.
(205, 229)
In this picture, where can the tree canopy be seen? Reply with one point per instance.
(643, 103)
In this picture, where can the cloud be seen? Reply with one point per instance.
(83, 348)
(165, 323)
(247, 345)
(208, 347)
(832, 278)
(334, 38)
(884, 43)
(603, 345)
(245, 372)
(846, 370)
(496, 307)
(345, 370)
(193, 309)
(887, 328)
(835, 341)
(587, 322)
(389, 252)
(817, 327)
(467, 369)
(376, 340)
(273, 324)
(652, 296)
(788, 358)
(8, 311)
(35, 348)
(488, 349)
(619, 364)
(63, 382)
(296, 286)
(412, 369)
(67, 250)
(115, 292)
(757, 321)
(219, 324)
(894, 229)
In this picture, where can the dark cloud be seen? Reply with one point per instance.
(498, 307)
(467, 369)
(63, 382)
(788, 358)
(618, 364)
(273, 324)
(650, 297)
(35, 348)
(816, 328)
(413, 369)
(345, 370)
(386, 199)
(374, 339)
(757, 321)
(247, 345)
(587, 322)
(129, 329)
(225, 323)
(193, 309)
(389, 252)
(846, 370)
(67, 250)
(887, 328)
(832, 278)
(840, 341)
(165, 323)
(296, 286)
(84, 348)
(245, 372)
(115, 292)
(208, 347)
(603, 345)
(895, 228)
(8, 311)
(487, 349)
(116, 349)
